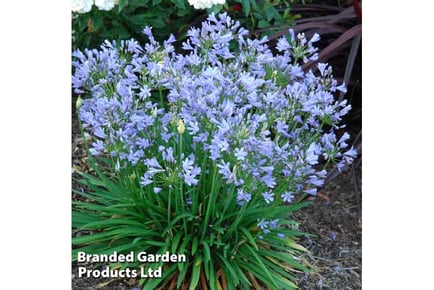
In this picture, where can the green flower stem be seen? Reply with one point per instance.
(161, 97)
(181, 183)
(169, 210)
(211, 200)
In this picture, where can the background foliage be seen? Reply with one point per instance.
(127, 19)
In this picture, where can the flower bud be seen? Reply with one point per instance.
(181, 127)
(244, 133)
(133, 177)
(79, 102)
(154, 112)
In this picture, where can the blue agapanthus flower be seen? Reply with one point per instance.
(225, 107)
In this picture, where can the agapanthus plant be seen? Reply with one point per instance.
(206, 152)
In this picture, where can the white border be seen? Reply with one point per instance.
(35, 145)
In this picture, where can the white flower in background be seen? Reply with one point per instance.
(105, 4)
(81, 6)
(203, 4)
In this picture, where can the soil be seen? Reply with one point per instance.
(335, 256)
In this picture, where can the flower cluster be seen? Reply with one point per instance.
(203, 4)
(227, 108)
(84, 6)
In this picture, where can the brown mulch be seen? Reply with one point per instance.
(335, 256)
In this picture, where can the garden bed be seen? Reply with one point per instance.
(333, 220)
(335, 249)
